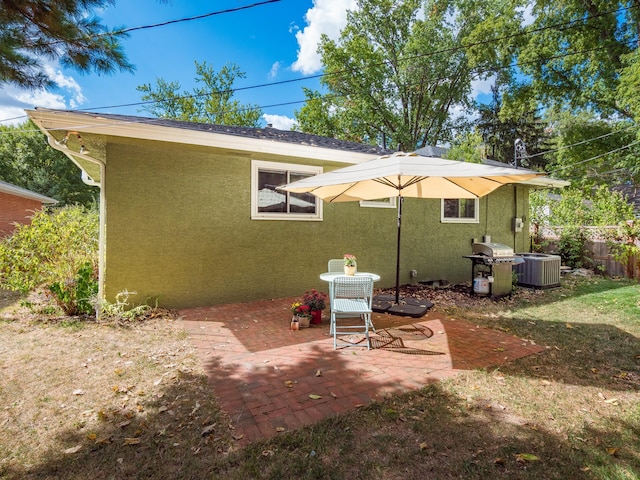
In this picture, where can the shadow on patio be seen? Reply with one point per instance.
(271, 379)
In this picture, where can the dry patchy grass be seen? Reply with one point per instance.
(81, 399)
(571, 412)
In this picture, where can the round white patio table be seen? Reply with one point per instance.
(329, 276)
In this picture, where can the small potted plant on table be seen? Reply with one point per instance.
(316, 301)
(349, 264)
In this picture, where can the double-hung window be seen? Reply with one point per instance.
(459, 210)
(267, 203)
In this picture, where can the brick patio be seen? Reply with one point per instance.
(262, 373)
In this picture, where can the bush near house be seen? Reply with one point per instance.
(58, 249)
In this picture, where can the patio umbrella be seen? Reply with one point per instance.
(408, 175)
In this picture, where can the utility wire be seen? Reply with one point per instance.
(567, 25)
(162, 24)
(596, 157)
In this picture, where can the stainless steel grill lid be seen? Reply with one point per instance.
(492, 249)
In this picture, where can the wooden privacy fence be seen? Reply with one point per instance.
(597, 249)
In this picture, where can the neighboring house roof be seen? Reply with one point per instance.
(11, 189)
(432, 151)
(546, 182)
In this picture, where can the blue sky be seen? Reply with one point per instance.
(271, 43)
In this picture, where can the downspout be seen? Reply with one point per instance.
(102, 209)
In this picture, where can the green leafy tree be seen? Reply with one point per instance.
(589, 151)
(577, 207)
(212, 102)
(66, 30)
(392, 78)
(572, 54)
(28, 161)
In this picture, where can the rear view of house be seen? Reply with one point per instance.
(17, 206)
(190, 214)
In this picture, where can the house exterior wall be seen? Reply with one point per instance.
(179, 229)
(15, 209)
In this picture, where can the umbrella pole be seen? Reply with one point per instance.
(398, 250)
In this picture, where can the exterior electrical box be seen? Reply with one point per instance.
(518, 224)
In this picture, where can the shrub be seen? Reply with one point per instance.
(572, 247)
(79, 295)
(59, 249)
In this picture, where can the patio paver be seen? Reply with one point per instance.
(262, 373)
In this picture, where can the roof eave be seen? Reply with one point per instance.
(59, 120)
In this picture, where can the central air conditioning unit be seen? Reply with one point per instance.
(539, 270)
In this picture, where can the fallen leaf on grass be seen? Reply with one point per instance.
(73, 449)
(526, 457)
(237, 436)
(78, 392)
(612, 401)
(313, 396)
(569, 325)
(424, 446)
(207, 430)
(132, 440)
(613, 451)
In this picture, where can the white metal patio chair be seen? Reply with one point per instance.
(335, 265)
(351, 300)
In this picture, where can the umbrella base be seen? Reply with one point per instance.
(408, 307)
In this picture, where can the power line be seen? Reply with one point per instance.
(616, 150)
(564, 147)
(567, 25)
(162, 24)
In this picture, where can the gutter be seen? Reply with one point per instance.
(102, 208)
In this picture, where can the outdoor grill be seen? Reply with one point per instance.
(491, 268)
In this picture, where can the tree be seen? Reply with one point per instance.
(572, 54)
(392, 78)
(211, 103)
(589, 151)
(28, 161)
(34, 30)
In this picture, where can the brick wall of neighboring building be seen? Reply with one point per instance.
(15, 209)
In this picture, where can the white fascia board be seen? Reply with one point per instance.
(547, 182)
(11, 189)
(65, 121)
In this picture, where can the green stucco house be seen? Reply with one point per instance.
(190, 214)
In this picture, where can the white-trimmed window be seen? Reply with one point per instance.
(380, 203)
(459, 210)
(267, 203)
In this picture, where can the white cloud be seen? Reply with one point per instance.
(280, 122)
(14, 101)
(482, 86)
(273, 73)
(328, 17)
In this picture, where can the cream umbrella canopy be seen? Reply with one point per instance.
(408, 175)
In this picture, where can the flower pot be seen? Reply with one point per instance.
(302, 321)
(316, 317)
(350, 270)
